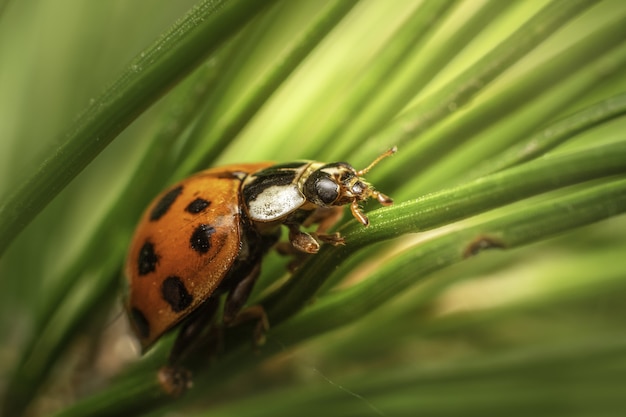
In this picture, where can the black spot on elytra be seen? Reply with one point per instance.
(197, 205)
(141, 323)
(175, 293)
(201, 238)
(148, 259)
(165, 203)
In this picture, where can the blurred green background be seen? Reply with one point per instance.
(509, 121)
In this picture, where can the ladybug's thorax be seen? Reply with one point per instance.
(271, 194)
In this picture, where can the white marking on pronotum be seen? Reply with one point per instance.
(275, 201)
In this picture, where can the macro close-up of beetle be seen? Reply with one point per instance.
(207, 235)
(204, 211)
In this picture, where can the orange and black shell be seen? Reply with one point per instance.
(183, 248)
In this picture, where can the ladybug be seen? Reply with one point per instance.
(206, 236)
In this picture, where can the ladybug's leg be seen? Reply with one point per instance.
(175, 379)
(196, 323)
(300, 240)
(325, 218)
(305, 242)
(254, 313)
(239, 294)
(237, 297)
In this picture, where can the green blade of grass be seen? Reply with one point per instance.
(539, 379)
(416, 71)
(604, 45)
(135, 396)
(535, 177)
(456, 94)
(220, 132)
(49, 344)
(39, 353)
(514, 228)
(148, 77)
(510, 121)
(148, 178)
(64, 275)
(409, 37)
(519, 227)
(555, 134)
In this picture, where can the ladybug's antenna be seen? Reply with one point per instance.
(387, 153)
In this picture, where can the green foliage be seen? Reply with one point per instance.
(491, 287)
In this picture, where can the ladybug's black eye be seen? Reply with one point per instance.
(327, 190)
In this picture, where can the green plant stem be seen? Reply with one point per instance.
(436, 209)
(544, 92)
(520, 227)
(133, 396)
(416, 72)
(514, 228)
(540, 377)
(48, 345)
(555, 134)
(511, 230)
(409, 37)
(460, 91)
(146, 180)
(148, 77)
(41, 350)
(220, 132)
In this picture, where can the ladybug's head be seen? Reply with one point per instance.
(338, 184)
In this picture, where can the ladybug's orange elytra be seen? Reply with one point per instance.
(207, 235)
